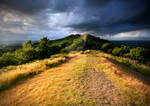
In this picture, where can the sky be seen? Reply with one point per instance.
(108, 19)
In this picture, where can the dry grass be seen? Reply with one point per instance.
(11, 77)
(132, 85)
(56, 86)
(133, 64)
(8, 68)
(63, 85)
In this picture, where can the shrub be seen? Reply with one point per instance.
(27, 44)
(140, 54)
(106, 46)
(8, 59)
(26, 55)
(120, 51)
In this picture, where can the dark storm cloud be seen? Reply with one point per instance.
(95, 16)
(36, 6)
(96, 3)
(114, 16)
(26, 6)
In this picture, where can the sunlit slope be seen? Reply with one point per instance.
(85, 42)
(77, 43)
(86, 79)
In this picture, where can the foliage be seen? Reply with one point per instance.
(94, 43)
(106, 46)
(120, 51)
(8, 59)
(27, 44)
(26, 55)
(45, 48)
(140, 54)
(77, 44)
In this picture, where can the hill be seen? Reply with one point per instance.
(76, 70)
(45, 48)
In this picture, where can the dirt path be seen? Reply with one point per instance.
(84, 80)
(98, 87)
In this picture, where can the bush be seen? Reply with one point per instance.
(8, 59)
(27, 44)
(120, 51)
(140, 54)
(106, 46)
(26, 55)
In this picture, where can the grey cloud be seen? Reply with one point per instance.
(26, 6)
(94, 16)
(114, 16)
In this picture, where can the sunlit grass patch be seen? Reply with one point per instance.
(133, 64)
(59, 55)
(9, 78)
(71, 92)
(8, 68)
(130, 95)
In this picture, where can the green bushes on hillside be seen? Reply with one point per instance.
(140, 54)
(26, 54)
(120, 51)
(45, 48)
(107, 46)
(39, 50)
(8, 59)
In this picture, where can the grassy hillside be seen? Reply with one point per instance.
(87, 78)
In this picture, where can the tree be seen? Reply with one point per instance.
(120, 51)
(44, 42)
(26, 55)
(140, 54)
(107, 46)
(43, 48)
(27, 44)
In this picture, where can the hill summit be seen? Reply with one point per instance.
(82, 42)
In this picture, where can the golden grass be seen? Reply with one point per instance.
(133, 90)
(129, 94)
(133, 64)
(62, 85)
(58, 86)
(10, 77)
(8, 68)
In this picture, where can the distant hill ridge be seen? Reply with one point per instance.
(45, 48)
(80, 42)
